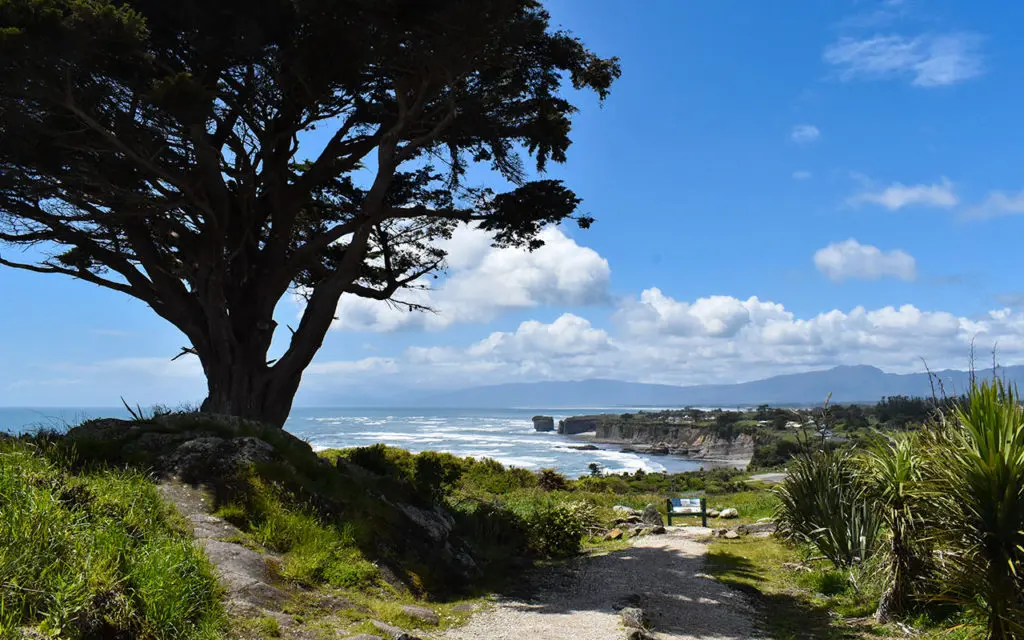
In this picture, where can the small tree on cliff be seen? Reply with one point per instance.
(152, 148)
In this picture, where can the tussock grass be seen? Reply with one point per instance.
(96, 555)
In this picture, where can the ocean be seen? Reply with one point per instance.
(507, 435)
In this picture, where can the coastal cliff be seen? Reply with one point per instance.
(648, 434)
(687, 441)
(580, 424)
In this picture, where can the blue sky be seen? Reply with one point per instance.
(775, 191)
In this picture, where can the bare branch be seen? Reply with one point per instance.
(81, 274)
(184, 352)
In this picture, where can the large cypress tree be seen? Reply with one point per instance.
(161, 149)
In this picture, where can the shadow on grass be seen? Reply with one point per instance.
(780, 615)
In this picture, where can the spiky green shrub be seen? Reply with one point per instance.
(821, 502)
(890, 469)
(976, 507)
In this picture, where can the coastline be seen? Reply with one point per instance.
(737, 461)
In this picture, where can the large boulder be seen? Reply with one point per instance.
(759, 527)
(198, 448)
(729, 513)
(543, 423)
(422, 614)
(652, 516)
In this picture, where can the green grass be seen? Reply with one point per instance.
(791, 604)
(314, 552)
(820, 603)
(96, 554)
(752, 505)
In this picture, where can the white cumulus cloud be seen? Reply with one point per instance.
(655, 337)
(852, 260)
(997, 204)
(898, 195)
(484, 282)
(804, 133)
(927, 60)
(569, 335)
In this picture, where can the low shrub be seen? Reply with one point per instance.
(487, 476)
(556, 530)
(435, 474)
(772, 452)
(551, 480)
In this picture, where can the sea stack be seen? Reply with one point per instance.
(543, 423)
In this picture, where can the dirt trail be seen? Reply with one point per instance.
(660, 574)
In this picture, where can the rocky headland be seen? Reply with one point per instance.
(651, 434)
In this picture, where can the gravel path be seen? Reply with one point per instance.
(660, 574)
(768, 478)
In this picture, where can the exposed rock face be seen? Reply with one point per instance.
(543, 423)
(172, 446)
(675, 439)
(578, 424)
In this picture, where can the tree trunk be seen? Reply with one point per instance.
(893, 603)
(233, 348)
(249, 392)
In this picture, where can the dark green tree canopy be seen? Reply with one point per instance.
(152, 148)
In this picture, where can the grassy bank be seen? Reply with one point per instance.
(96, 555)
(799, 595)
(89, 550)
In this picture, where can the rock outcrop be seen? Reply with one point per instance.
(673, 439)
(578, 424)
(543, 423)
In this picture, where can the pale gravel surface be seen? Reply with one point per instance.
(661, 574)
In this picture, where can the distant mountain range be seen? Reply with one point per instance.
(847, 384)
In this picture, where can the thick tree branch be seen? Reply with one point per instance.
(320, 308)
